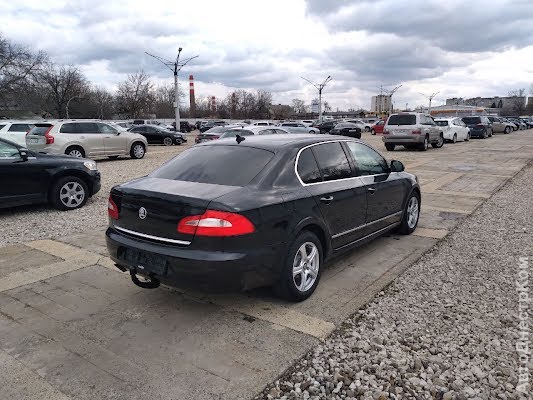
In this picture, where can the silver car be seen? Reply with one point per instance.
(412, 130)
(500, 125)
(84, 139)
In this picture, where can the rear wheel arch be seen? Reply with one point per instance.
(320, 233)
(76, 146)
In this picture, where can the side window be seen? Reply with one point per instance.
(104, 128)
(368, 161)
(332, 161)
(267, 132)
(19, 128)
(88, 128)
(69, 128)
(308, 168)
(1, 126)
(8, 151)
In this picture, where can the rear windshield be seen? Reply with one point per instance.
(407, 119)
(442, 123)
(219, 165)
(39, 130)
(471, 120)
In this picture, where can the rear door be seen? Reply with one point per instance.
(340, 196)
(385, 191)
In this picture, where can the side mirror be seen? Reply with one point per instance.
(24, 154)
(396, 166)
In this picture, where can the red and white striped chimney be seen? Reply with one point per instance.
(192, 106)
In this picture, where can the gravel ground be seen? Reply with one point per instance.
(445, 329)
(22, 224)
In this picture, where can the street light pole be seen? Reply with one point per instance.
(430, 97)
(175, 67)
(319, 88)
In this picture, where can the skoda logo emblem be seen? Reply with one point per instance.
(142, 213)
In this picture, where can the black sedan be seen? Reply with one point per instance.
(266, 210)
(29, 178)
(326, 126)
(157, 135)
(347, 129)
(211, 124)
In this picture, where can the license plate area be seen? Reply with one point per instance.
(34, 140)
(144, 261)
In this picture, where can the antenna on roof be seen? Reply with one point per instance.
(240, 139)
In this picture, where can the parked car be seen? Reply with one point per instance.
(254, 130)
(326, 126)
(264, 123)
(499, 125)
(480, 126)
(378, 127)
(412, 130)
(518, 122)
(157, 135)
(195, 221)
(214, 133)
(15, 131)
(307, 122)
(347, 129)
(210, 124)
(184, 127)
(31, 178)
(454, 129)
(84, 139)
(364, 126)
(297, 127)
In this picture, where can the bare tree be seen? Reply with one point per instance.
(104, 102)
(262, 104)
(59, 85)
(135, 95)
(298, 106)
(164, 100)
(18, 69)
(517, 101)
(327, 107)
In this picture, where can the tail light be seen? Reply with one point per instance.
(216, 223)
(49, 138)
(417, 131)
(112, 209)
(480, 125)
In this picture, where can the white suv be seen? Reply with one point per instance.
(84, 139)
(15, 131)
(412, 130)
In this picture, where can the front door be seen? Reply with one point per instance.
(385, 191)
(114, 143)
(340, 196)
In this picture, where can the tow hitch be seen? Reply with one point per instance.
(146, 282)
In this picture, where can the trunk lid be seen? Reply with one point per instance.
(165, 203)
(36, 139)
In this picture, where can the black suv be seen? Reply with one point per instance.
(29, 177)
(480, 126)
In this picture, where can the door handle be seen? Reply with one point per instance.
(326, 199)
(371, 190)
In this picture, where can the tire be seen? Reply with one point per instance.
(507, 130)
(299, 286)
(372, 131)
(484, 135)
(454, 139)
(411, 215)
(167, 141)
(491, 133)
(439, 144)
(69, 193)
(137, 150)
(367, 129)
(389, 147)
(75, 151)
(312, 132)
(467, 137)
(424, 146)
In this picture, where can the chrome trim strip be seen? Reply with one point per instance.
(143, 235)
(376, 233)
(365, 225)
(336, 180)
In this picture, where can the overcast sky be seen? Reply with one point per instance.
(460, 48)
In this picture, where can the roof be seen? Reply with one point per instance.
(277, 142)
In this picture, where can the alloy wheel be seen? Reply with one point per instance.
(71, 194)
(167, 141)
(412, 212)
(138, 151)
(75, 153)
(305, 266)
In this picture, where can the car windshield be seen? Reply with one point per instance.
(442, 123)
(402, 119)
(219, 165)
(471, 120)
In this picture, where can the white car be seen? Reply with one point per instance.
(453, 129)
(15, 131)
(264, 123)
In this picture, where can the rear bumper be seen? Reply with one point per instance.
(207, 270)
(403, 139)
(477, 132)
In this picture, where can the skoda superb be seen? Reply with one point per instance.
(255, 211)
